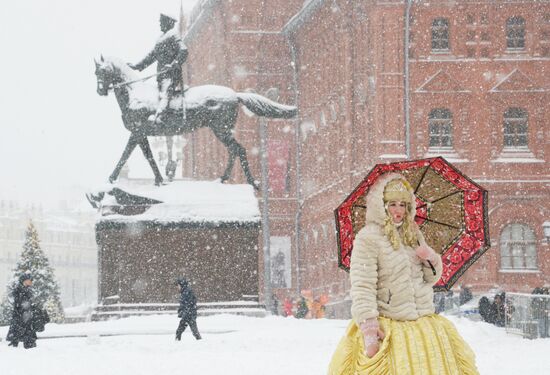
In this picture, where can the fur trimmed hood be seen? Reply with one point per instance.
(376, 213)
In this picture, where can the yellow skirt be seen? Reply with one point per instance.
(429, 345)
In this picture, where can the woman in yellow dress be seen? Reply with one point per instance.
(394, 329)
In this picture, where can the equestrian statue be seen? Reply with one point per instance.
(173, 109)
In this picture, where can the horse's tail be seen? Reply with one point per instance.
(262, 106)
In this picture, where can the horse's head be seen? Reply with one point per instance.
(107, 75)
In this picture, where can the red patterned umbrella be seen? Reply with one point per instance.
(451, 211)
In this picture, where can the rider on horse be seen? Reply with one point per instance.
(170, 53)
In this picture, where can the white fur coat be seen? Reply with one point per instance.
(392, 283)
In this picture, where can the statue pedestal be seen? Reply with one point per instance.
(206, 232)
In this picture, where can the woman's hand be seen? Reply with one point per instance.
(371, 334)
(426, 253)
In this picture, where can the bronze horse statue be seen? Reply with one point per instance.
(215, 107)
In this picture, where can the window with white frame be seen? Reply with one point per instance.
(518, 248)
(440, 127)
(440, 34)
(515, 33)
(515, 128)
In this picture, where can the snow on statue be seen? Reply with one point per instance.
(170, 53)
(214, 107)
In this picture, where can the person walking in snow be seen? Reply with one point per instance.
(187, 310)
(485, 310)
(170, 53)
(287, 307)
(22, 328)
(394, 329)
(301, 308)
(501, 311)
(465, 295)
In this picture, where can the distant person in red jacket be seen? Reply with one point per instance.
(287, 307)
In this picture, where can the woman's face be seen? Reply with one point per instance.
(397, 211)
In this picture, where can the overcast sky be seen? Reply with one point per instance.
(58, 136)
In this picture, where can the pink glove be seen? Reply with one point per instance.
(426, 253)
(371, 334)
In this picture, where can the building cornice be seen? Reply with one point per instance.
(479, 2)
(302, 16)
(199, 16)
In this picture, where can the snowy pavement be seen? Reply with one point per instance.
(233, 345)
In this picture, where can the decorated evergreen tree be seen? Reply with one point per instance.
(44, 286)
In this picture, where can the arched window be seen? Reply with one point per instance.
(518, 248)
(515, 128)
(440, 34)
(515, 32)
(440, 124)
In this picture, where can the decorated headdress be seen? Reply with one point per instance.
(398, 190)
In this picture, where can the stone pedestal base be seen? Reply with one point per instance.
(139, 261)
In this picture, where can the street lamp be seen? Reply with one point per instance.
(272, 94)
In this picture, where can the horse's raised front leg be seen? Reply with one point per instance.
(132, 143)
(144, 145)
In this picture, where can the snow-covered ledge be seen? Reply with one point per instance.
(448, 153)
(516, 155)
(515, 270)
(189, 202)
(393, 156)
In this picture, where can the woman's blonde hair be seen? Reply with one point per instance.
(407, 232)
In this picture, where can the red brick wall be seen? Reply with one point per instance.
(476, 64)
(348, 80)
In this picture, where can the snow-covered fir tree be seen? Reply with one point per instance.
(44, 286)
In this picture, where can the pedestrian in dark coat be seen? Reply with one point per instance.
(187, 310)
(301, 309)
(22, 328)
(465, 295)
(503, 312)
(498, 307)
(485, 310)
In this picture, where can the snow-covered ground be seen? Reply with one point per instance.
(234, 345)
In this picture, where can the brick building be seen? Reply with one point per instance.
(379, 81)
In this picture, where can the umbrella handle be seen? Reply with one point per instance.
(432, 267)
